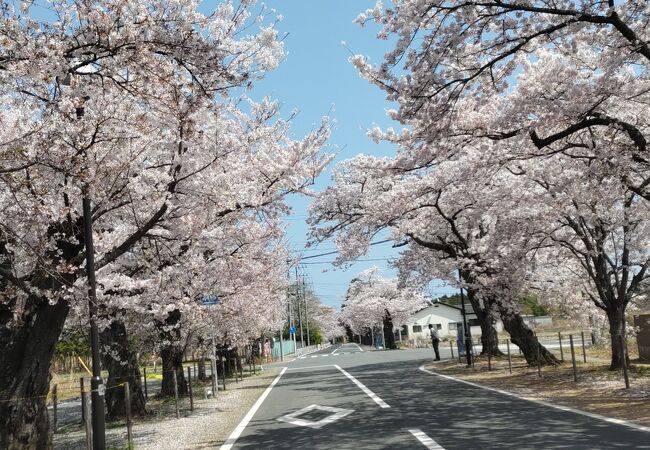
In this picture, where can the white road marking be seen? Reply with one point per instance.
(247, 418)
(540, 402)
(363, 387)
(337, 413)
(426, 440)
(314, 356)
(310, 367)
(358, 346)
(335, 350)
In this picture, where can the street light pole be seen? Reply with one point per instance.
(96, 383)
(466, 330)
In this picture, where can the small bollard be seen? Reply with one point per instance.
(127, 411)
(539, 360)
(573, 358)
(189, 387)
(235, 364)
(54, 407)
(509, 356)
(584, 352)
(178, 412)
(559, 336)
(624, 352)
(489, 361)
(451, 347)
(458, 348)
(146, 393)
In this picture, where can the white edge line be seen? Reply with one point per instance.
(426, 440)
(247, 418)
(358, 346)
(541, 402)
(335, 350)
(363, 387)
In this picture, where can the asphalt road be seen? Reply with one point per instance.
(346, 398)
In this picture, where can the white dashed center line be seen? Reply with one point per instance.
(426, 440)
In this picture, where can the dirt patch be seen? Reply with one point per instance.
(597, 390)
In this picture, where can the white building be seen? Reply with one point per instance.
(445, 318)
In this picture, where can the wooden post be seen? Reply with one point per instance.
(178, 412)
(451, 347)
(584, 352)
(189, 387)
(625, 375)
(539, 360)
(489, 361)
(223, 371)
(87, 420)
(127, 411)
(146, 393)
(509, 356)
(54, 406)
(559, 336)
(573, 358)
(458, 348)
(253, 358)
(236, 377)
(196, 373)
(213, 377)
(83, 410)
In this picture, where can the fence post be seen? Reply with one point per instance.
(539, 360)
(87, 420)
(584, 352)
(489, 361)
(196, 373)
(573, 358)
(146, 393)
(451, 347)
(223, 371)
(127, 411)
(178, 413)
(54, 406)
(213, 369)
(83, 410)
(236, 377)
(509, 356)
(559, 336)
(625, 375)
(253, 359)
(458, 348)
(189, 387)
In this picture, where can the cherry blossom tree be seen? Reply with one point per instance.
(109, 102)
(373, 300)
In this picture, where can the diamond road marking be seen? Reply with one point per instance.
(337, 413)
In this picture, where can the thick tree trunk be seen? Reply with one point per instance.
(172, 360)
(201, 367)
(122, 366)
(389, 336)
(172, 355)
(525, 339)
(616, 318)
(27, 349)
(487, 318)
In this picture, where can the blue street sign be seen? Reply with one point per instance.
(211, 299)
(292, 330)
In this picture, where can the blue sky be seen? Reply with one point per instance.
(317, 79)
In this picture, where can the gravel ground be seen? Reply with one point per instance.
(207, 426)
(598, 390)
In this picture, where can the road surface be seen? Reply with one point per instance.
(346, 398)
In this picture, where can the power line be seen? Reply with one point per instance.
(337, 251)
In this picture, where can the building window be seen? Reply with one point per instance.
(438, 326)
(417, 328)
(453, 326)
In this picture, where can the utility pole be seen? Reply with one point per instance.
(468, 334)
(96, 383)
(304, 297)
(302, 338)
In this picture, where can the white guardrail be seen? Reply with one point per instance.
(311, 349)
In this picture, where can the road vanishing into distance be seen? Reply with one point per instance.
(344, 397)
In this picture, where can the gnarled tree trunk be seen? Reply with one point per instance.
(616, 319)
(487, 318)
(122, 366)
(389, 335)
(172, 355)
(27, 349)
(525, 339)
